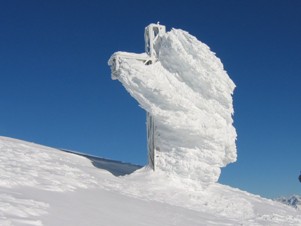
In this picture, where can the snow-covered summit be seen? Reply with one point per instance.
(45, 186)
(189, 95)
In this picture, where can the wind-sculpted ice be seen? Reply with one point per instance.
(189, 95)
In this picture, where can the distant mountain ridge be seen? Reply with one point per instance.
(294, 201)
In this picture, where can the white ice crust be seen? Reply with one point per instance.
(189, 94)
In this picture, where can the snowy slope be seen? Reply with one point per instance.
(189, 95)
(44, 186)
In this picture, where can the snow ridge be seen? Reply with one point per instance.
(50, 172)
(189, 95)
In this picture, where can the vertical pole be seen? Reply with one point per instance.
(148, 38)
(151, 33)
(151, 141)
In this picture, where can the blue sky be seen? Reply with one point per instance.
(56, 87)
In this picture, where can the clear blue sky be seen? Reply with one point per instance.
(56, 87)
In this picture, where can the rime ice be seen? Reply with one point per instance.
(189, 95)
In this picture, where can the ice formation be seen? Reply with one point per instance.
(189, 95)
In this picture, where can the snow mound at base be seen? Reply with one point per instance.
(45, 186)
(189, 95)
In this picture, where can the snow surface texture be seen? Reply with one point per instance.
(189, 95)
(44, 186)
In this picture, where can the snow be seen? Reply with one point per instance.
(189, 95)
(19, 170)
(45, 186)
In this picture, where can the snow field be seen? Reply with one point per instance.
(90, 196)
(35, 165)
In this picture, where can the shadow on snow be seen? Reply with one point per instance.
(117, 168)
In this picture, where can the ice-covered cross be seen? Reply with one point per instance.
(187, 95)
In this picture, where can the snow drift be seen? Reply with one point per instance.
(45, 186)
(189, 95)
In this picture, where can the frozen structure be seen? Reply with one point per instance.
(187, 95)
(151, 34)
